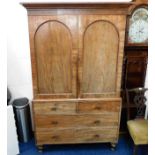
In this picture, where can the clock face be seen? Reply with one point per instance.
(138, 26)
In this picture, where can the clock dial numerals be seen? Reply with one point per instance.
(138, 31)
(138, 26)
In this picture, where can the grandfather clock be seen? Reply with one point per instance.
(135, 55)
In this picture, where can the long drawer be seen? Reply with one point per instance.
(48, 122)
(83, 135)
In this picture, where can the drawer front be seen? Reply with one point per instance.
(54, 107)
(48, 122)
(99, 107)
(83, 135)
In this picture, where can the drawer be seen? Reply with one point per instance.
(54, 107)
(101, 106)
(48, 122)
(83, 135)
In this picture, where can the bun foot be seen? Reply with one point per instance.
(113, 146)
(40, 148)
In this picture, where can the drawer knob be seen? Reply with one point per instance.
(97, 108)
(97, 122)
(54, 122)
(55, 137)
(53, 108)
(96, 136)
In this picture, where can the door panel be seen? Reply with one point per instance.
(55, 56)
(99, 55)
(100, 58)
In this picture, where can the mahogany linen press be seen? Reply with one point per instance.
(76, 56)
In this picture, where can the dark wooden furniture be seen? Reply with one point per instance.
(134, 66)
(77, 56)
(138, 127)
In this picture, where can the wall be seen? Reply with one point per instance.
(19, 79)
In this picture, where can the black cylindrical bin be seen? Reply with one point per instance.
(23, 119)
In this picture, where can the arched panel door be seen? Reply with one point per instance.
(99, 60)
(53, 50)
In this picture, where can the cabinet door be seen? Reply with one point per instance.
(54, 55)
(101, 50)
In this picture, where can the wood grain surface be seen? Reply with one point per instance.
(101, 44)
(55, 107)
(54, 52)
(77, 55)
(108, 120)
(84, 135)
(100, 59)
(99, 107)
(53, 57)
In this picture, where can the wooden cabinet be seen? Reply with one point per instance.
(77, 55)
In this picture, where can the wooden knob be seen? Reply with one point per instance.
(97, 108)
(54, 122)
(55, 137)
(96, 136)
(97, 122)
(53, 108)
